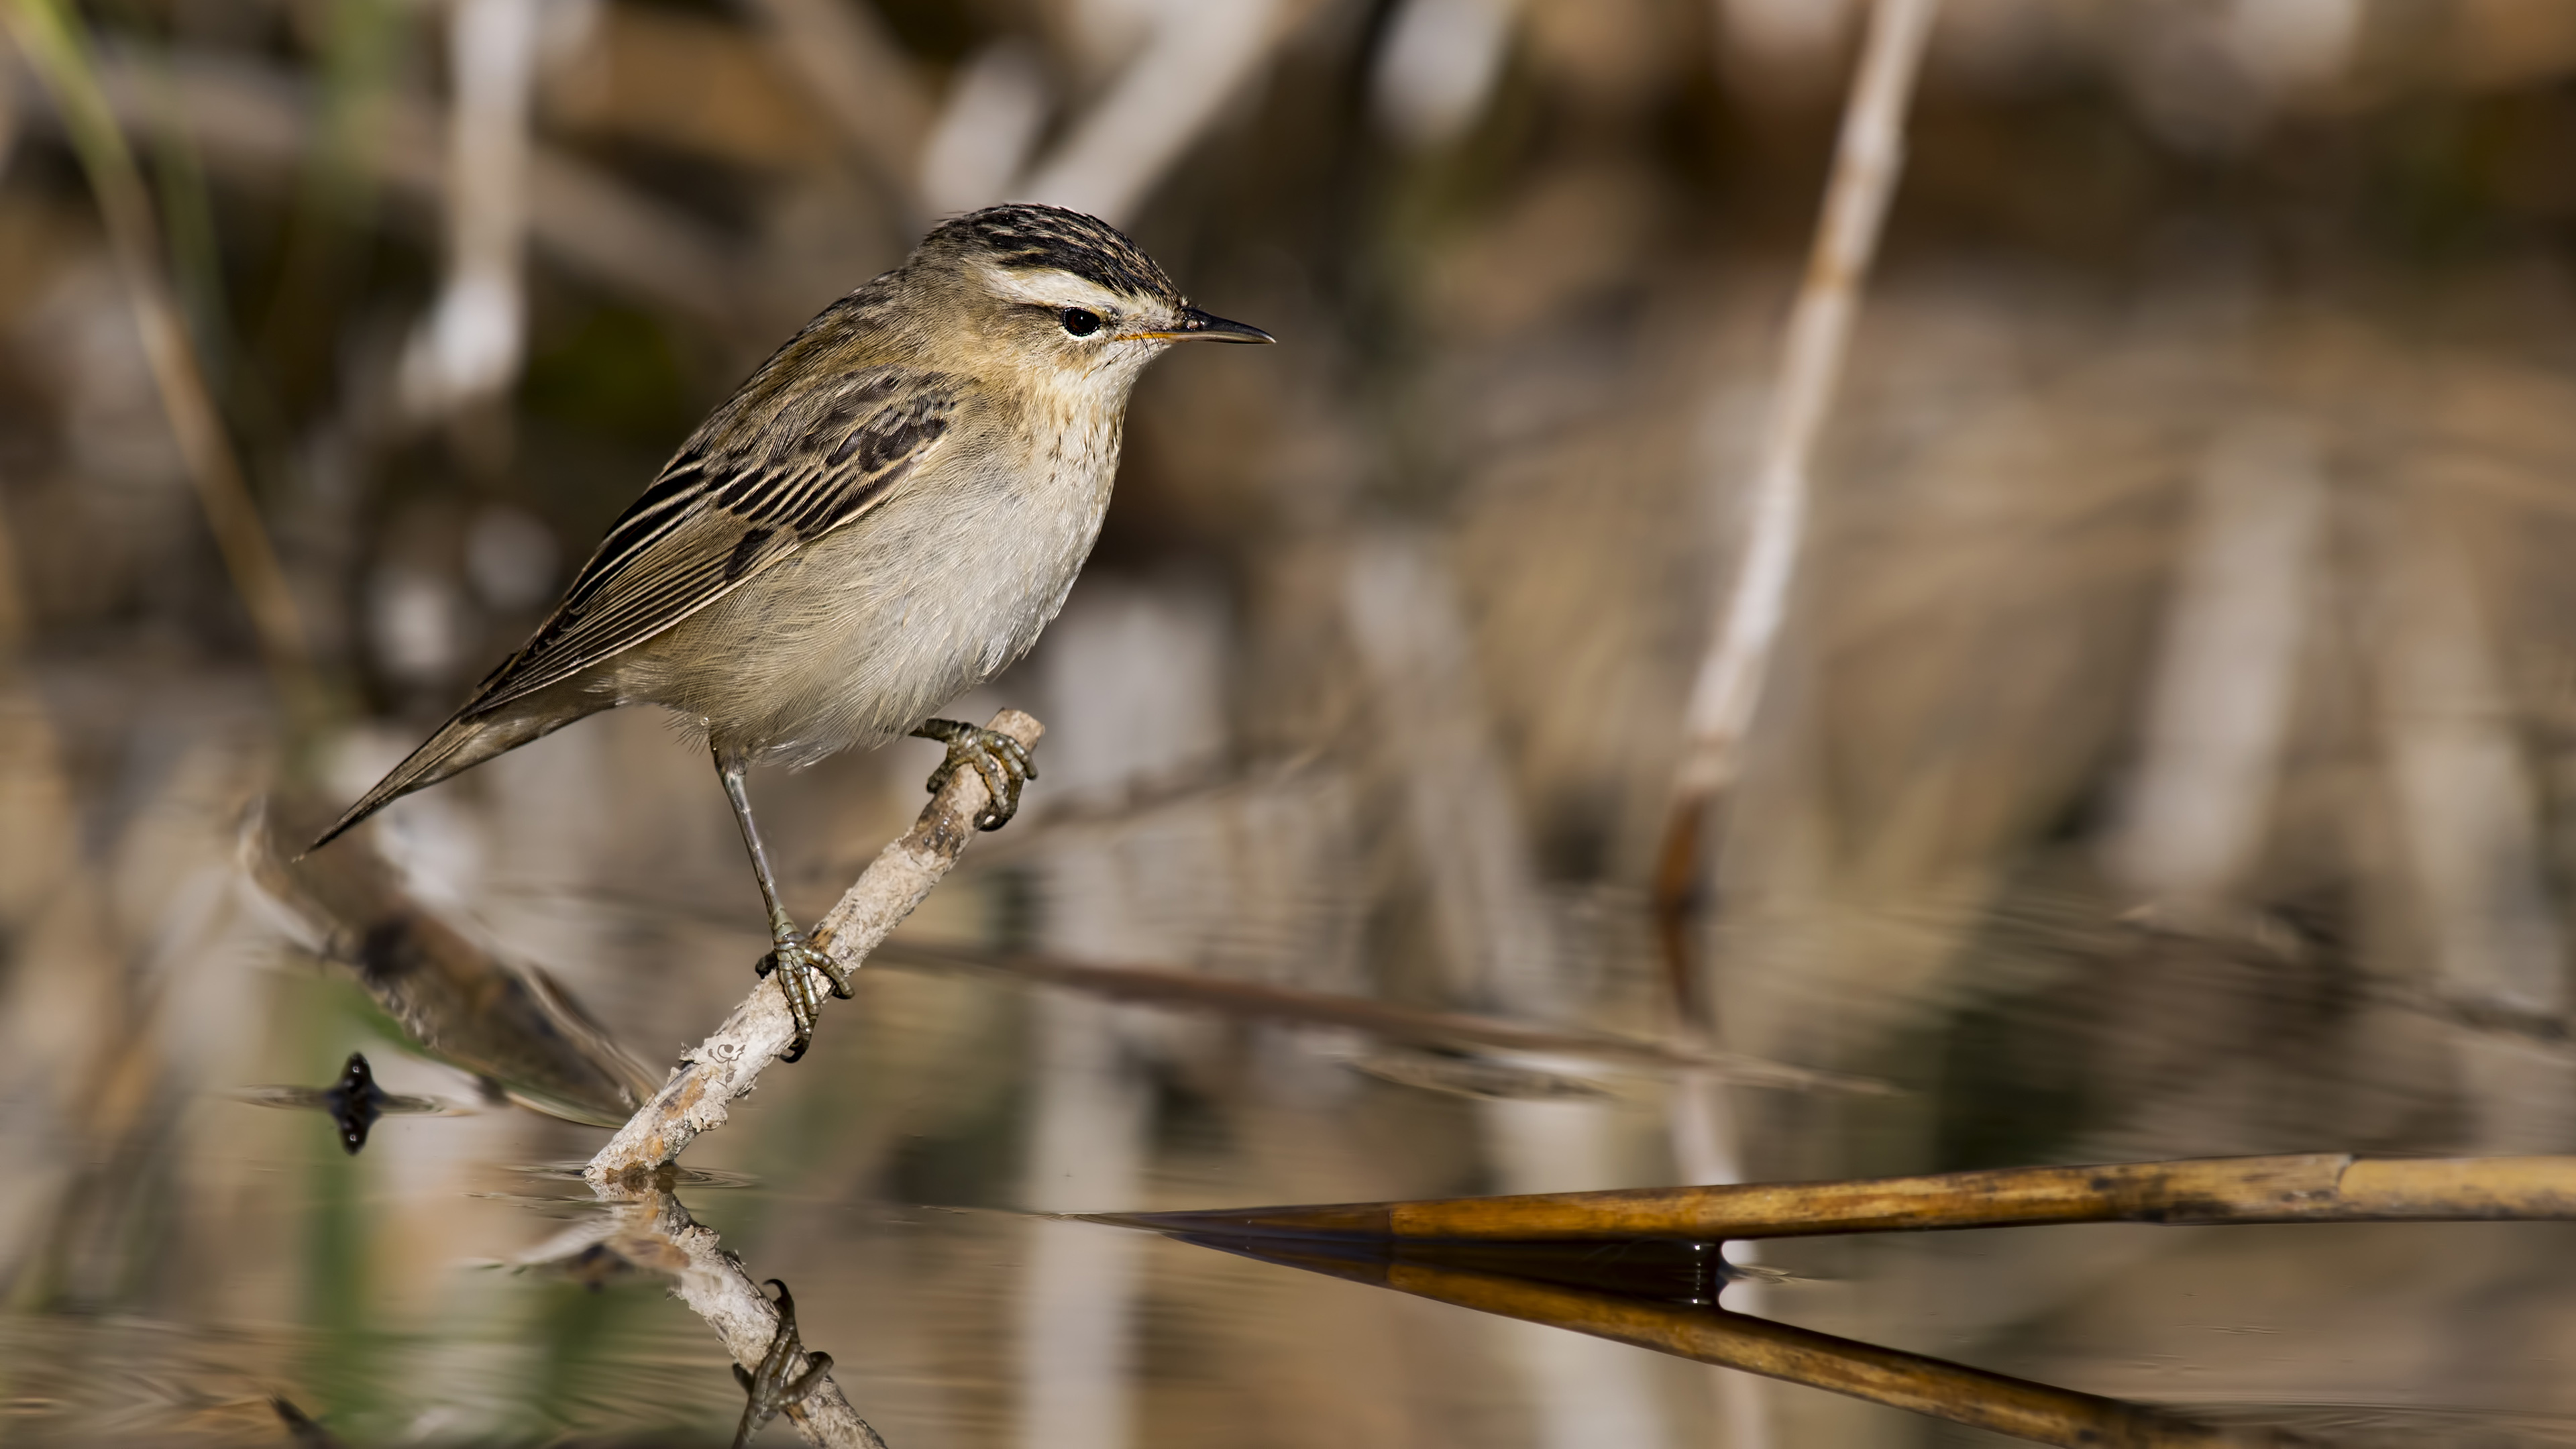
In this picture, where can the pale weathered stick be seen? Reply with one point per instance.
(725, 1065)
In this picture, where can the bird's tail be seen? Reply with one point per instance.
(460, 744)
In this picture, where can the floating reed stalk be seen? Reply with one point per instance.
(2325, 1187)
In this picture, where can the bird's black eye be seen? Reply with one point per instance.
(1080, 323)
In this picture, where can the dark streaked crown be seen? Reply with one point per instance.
(1025, 236)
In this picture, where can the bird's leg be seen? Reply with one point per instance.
(797, 963)
(1002, 761)
(787, 1374)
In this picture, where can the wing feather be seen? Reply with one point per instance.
(767, 475)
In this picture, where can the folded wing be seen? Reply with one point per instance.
(742, 495)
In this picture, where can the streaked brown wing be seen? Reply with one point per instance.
(743, 494)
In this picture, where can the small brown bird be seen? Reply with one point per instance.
(883, 517)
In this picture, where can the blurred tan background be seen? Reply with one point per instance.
(2172, 751)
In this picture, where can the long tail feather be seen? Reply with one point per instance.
(460, 744)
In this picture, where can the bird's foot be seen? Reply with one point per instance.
(1003, 762)
(786, 1377)
(803, 974)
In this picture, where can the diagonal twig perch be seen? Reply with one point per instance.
(649, 1226)
(728, 1063)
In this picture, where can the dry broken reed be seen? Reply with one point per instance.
(2329, 1187)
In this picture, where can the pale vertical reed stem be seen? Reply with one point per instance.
(2220, 716)
(469, 348)
(1728, 690)
(2460, 778)
(1490, 915)
(49, 34)
(1869, 154)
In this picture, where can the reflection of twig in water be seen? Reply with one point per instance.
(726, 1064)
(787, 1375)
(1711, 1335)
(2324, 1187)
(650, 1229)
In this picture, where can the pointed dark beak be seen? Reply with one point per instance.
(1198, 326)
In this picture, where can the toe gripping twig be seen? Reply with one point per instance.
(803, 974)
(1002, 761)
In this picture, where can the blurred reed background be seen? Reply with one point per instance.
(2172, 750)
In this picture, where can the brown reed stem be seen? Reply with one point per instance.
(2325, 1187)
(50, 36)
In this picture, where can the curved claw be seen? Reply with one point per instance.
(787, 1374)
(1003, 763)
(797, 984)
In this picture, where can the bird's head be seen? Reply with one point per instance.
(1059, 297)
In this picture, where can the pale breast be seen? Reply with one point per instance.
(869, 630)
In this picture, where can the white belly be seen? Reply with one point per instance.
(861, 636)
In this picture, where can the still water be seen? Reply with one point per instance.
(421, 1291)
